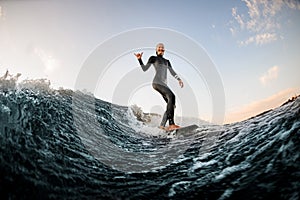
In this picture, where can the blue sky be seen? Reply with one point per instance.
(253, 44)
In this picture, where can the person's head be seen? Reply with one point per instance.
(160, 49)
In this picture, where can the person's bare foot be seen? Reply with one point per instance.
(173, 127)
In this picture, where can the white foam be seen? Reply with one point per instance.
(199, 164)
(151, 122)
(37, 84)
(231, 169)
(227, 193)
(183, 184)
(4, 108)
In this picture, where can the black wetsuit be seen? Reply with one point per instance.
(159, 83)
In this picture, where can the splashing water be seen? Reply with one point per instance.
(67, 144)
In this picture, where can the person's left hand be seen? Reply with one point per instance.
(181, 83)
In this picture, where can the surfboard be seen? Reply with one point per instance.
(185, 130)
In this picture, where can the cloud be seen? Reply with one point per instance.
(238, 18)
(232, 30)
(262, 21)
(271, 75)
(265, 38)
(260, 39)
(260, 106)
(293, 4)
(49, 62)
(0, 11)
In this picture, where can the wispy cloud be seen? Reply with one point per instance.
(261, 21)
(50, 63)
(265, 38)
(260, 39)
(260, 106)
(293, 4)
(0, 11)
(238, 18)
(269, 76)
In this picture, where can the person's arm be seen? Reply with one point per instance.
(150, 61)
(173, 73)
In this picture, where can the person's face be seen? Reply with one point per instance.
(160, 49)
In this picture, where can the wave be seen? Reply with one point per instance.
(70, 145)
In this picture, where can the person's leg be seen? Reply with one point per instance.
(169, 97)
(164, 120)
(165, 117)
(170, 106)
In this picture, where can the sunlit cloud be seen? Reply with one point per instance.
(49, 62)
(269, 76)
(238, 18)
(232, 30)
(260, 39)
(260, 106)
(265, 38)
(262, 21)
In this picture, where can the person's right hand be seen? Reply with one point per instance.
(138, 55)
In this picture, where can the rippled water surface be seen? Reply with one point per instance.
(62, 144)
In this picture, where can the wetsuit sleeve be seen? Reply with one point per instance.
(151, 60)
(172, 71)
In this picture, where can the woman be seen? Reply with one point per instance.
(159, 83)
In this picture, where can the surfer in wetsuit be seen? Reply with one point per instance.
(159, 83)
